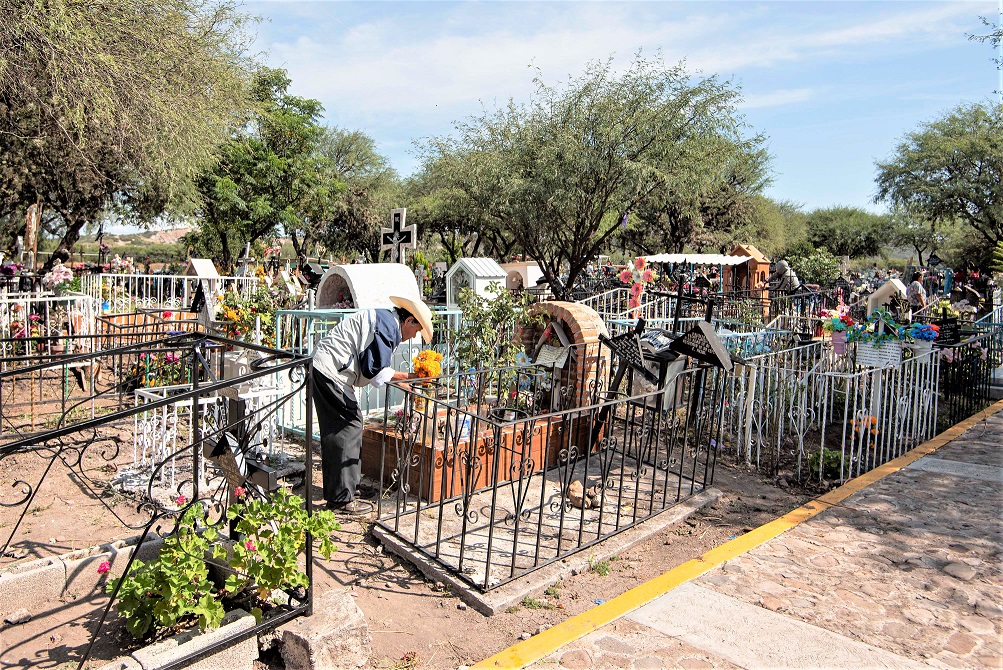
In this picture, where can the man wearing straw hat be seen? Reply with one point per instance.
(356, 353)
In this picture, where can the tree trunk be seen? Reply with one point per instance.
(70, 238)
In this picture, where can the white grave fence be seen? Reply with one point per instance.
(123, 292)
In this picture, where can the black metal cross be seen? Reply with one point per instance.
(398, 235)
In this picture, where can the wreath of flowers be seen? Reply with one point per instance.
(637, 278)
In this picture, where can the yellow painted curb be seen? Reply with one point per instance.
(539, 646)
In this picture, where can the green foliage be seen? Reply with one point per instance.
(484, 340)
(534, 604)
(601, 568)
(825, 465)
(996, 267)
(915, 231)
(847, 231)
(350, 222)
(108, 107)
(273, 536)
(774, 226)
(814, 265)
(557, 176)
(951, 169)
(269, 174)
(176, 585)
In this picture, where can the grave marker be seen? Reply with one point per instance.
(703, 344)
(950, 332)
(398, 236)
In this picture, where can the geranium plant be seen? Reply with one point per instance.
(176, 588)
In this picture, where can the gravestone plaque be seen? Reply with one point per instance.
(950, 332)
(628, 348)
(703, 344)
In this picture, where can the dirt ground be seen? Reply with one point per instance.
(414, 623)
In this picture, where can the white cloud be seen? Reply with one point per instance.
(776, 98)
(457, 56)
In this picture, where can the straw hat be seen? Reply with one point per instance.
(420, 311)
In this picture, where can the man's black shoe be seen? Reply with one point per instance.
(352, 507)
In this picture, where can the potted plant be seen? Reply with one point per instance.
(836, 322)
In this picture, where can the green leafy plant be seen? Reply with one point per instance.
(176, 586)
(825, 465)
(818, 266)
(601, 568)
(273, 533)
(485, 339)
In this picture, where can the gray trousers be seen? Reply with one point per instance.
(340, 419)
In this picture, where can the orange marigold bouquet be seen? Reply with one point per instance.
(427, 363)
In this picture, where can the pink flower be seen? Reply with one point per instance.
(626, 276)
(636, 290)
(634, 302)
(647, 276)
(34, 317)
(250, 546)
(168, 315)
(104, 567)
(639, 263)
(180, 500)
(239, 491)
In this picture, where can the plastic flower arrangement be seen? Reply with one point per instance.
(836, 321)
(427, 363)
(273, 250)
(119, 265)
(58, 277)
(637, 278)
(923, 332)
(869, 332)
(10, 269)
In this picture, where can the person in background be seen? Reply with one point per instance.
(916, 293)
(358, 352)
(783, 280)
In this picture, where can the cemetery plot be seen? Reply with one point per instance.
(165, 432)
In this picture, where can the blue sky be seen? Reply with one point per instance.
(833, 85)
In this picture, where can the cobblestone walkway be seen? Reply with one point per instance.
(907, 573)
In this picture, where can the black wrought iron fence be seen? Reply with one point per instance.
(527, 466)
(967, 372)
(210, 404)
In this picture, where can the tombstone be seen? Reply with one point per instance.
(245, 269)
(521, 274)
(290, 283)
(368, 286)
(476, 274)
(702, 343)
(206, 289)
